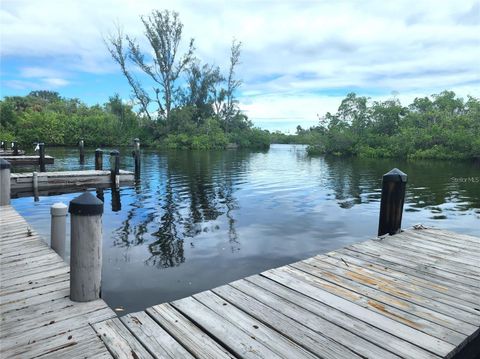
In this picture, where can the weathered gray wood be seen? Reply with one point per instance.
(188, 334)
(419, 305)
(294, 303)
(312, 332)
(239, 342)
(401, 330)
(400, 283)
(38, 319)
(272, 339)
(398, 310)
(27, 160)
(51, 180)
(393, 265)
(154, 337)
(404, 260)
(85, 257)
(119, 341)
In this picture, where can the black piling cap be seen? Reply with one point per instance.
(98, 150)
(115, 153)
(4, 164)
(86, 205)
(395, 175)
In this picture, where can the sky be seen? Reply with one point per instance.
(299, 57)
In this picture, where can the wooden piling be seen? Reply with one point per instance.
(81, 148)
(85, 247)
(98, 159)
(391, 206)
(115, 168)
(4, 145)
(41, 151)
(4, 182)
(58, 229)
(136, 156)
(15, 148)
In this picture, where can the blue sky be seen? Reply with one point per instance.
(299, 58)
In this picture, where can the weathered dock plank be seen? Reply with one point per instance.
(37, 316)
(28, 160)
(64, 181)
(377, 299)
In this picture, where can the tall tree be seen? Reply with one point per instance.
(163, 30)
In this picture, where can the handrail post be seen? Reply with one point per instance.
(115, 168)
(85, 247)
(58, 228)
(98, 159)
(41, 152)
(394, 185)
(4, 182)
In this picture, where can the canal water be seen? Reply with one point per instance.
(197, 220)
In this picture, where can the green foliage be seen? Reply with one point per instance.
(441, 126)
(45, 116)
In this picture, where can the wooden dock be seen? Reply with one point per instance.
(37, 317)
(27, 160)
(22, 183)
(11, 153)
(412, 295)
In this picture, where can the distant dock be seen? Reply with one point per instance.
(27, 160)
(75, 180)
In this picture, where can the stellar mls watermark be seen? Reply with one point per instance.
(465, 179)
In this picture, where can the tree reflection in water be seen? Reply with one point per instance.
(195, 189)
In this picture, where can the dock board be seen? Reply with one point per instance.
(21, 184)
(27, 160)
(11, 153)
(37, 317)
(412, 295)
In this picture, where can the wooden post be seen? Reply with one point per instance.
(98, 159)
(35, 186)
(85, 247)
(136, 156)
(58, 228)
(116, 202)
(394, 184)
(41, 152)
(4, 182)
(115, 168)
(15, 148)
(4, 145)
(82, 151)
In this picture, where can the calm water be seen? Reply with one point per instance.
(201, 219)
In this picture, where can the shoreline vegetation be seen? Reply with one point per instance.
(441, 126)
(193, 105)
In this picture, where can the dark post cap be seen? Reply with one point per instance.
(4, 164)
(98, 150)
(395, 175)
(114, 153)
(136, 139)
(86, 205)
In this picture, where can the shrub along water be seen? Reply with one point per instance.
(441, 126)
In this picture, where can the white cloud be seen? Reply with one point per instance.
(294, 52)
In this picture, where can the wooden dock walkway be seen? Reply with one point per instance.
(37, 317)
(27, 160)
(412, 295)
(21, 183)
